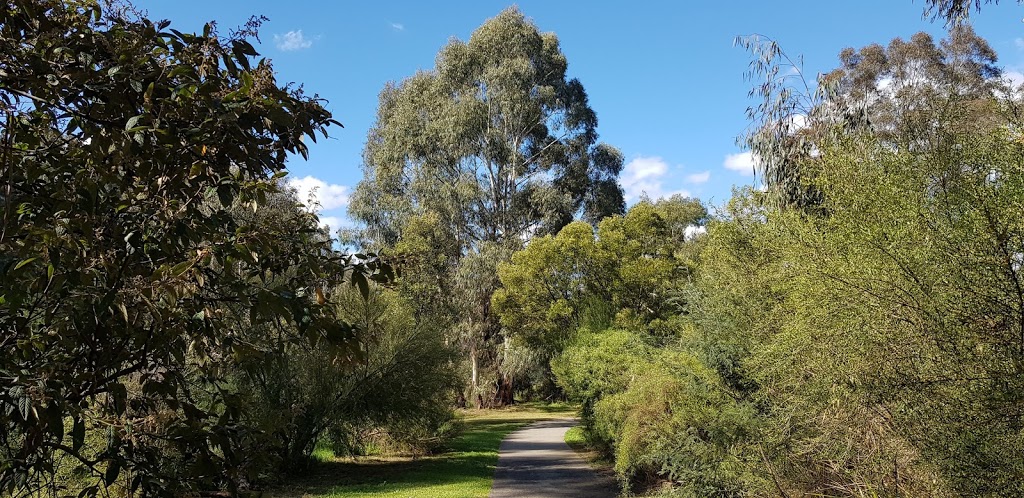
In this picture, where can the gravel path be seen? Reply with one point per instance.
(535, 462)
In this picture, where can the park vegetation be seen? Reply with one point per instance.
(174, 321)
(856, 328)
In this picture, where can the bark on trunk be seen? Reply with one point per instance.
(503, 395)
(475, 393)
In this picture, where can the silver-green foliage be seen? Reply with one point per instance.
(496, 139)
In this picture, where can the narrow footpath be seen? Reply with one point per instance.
(535, 462)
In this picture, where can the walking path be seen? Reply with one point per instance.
(535, 462)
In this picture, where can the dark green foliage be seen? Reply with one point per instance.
(125, 275)
(401, 392)
(630, 270)
(495, 139)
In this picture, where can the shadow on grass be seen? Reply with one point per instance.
(466, 468)
(545, 407)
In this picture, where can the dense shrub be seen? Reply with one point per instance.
(398, 398)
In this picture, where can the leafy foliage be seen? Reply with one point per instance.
(911, 93)
(126, 276)
(492, 147)
(631, 262)
(495, 140)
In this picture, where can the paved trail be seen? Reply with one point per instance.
(535, 462)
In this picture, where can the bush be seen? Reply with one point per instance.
(677, 422)
(660, 412)
(397, 399)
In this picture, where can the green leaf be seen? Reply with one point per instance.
(55, 419)
(225, 194)
(132, 122)
(359, 280)
(24, 262)
(78, 434)
(119, 396)
(24, 406)
(113, 469)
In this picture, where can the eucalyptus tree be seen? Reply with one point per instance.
(909, 93)
(495, 143)
(495, 138)
(125, 274)
(954, 11)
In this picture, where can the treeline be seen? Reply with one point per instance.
(854, 329)
(173, 321)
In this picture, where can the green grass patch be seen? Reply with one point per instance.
(577, 439)
(465, 469)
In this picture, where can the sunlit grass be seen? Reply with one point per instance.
(466, 469)
(577, 439)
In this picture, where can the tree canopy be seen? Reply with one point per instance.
(128, 148)
(495, 139)
(494, 146)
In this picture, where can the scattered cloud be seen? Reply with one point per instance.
(742, 163)
(292, 41)
(797, 122)
(698, 178)
(1014, 78)
(397, 26)
(335, 223)
(318, 194)
(1019, 43)
(693, 231)
(645, 175)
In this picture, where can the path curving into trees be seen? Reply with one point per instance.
(535, 462)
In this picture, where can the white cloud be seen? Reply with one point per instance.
(742, 163)
(797, 122)
(643, 168)
(698, 178)
(693, 231)
(292, 40)
(318, 194)
(644, 175)
(335, 223)
(397, 26)
(1014, 78)
(1019, 43)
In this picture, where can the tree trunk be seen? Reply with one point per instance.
(503, 395)
(475, 392)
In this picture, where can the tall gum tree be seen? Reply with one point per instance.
(497, 144)
(913, 94)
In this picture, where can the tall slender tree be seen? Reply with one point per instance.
(496, 143)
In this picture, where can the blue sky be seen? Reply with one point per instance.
(663, 76)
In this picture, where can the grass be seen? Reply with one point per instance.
(466, 469)
(576, 438)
